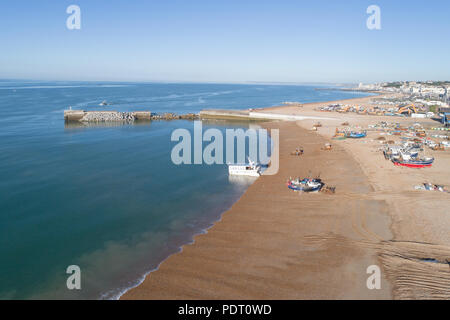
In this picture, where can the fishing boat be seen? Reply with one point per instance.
(356, 135)
(414, 162)
(252, 169)
(305, 185)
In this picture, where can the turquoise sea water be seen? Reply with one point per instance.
(108, 198)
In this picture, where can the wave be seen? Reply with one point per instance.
(175, 97)
(65, 87)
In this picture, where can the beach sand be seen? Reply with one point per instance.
(278, 244)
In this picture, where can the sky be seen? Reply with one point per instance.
(225, 41)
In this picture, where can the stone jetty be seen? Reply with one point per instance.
(115, 116)
(128, 117)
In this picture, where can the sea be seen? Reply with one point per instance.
(107, 198)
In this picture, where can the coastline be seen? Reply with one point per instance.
(310, 246)
(191, 241)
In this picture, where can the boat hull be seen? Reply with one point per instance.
(357, 135)
(305, 187)
(413, 165)
(244, 171)
(248, 173)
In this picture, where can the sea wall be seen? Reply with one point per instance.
(225, 114)
(252, 115)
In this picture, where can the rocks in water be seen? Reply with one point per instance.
(165, 116)
(189, 116)
(173, 116)
(128, 117)
(108, 116)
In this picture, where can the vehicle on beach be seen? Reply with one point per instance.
(432, 187)
(298, 152)
(305, 185)
(437, 147)
(339, 135)
(252, 169)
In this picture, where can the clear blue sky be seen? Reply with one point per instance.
(225, 40)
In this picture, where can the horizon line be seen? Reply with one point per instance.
(250, 82)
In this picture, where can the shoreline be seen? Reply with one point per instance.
(202, 231)
(370, 232)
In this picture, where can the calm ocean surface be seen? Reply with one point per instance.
(108, 198)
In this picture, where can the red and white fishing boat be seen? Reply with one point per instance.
(414, 163)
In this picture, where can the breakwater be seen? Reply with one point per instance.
(115, 116)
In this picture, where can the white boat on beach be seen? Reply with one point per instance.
(252, 169)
